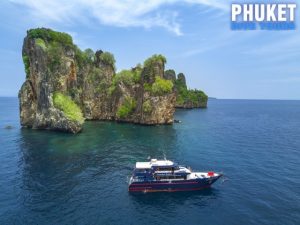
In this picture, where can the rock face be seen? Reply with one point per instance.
(64, 86)
(170, 75)
(181, 80)
(44, 76)
(187, 99)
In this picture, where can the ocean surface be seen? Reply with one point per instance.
(57, 178)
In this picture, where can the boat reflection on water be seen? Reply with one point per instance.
(173, 200)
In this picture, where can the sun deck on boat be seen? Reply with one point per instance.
(154, 163)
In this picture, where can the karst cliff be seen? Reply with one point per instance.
(185, 98)
(65, 86)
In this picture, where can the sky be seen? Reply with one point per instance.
(194, 35)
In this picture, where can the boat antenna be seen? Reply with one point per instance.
(149, 157)
(165, 157)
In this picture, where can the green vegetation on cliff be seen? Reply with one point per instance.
(54, 54)
(153, 67)
(154, 59)
(26, 65)
(147, 108)
(170, 75)
(57, 42)
(50, 36)
(108, 59)
(40, 42)
(161, 86)
(127, 77)
(94, 75)
(89, 54)
(68, 107)
(126, 108)
(84, 58)
(196, 97)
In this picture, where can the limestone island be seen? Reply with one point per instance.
(65, 86)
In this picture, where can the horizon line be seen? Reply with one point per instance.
(253, 99)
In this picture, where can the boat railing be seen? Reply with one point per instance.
(132, 179)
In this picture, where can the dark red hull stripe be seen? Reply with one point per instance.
(167, 190)
(149, 184)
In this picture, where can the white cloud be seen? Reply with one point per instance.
(213, 3)
(120, 13)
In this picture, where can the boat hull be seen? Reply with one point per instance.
(172, 186)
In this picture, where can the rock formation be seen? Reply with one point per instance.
(185, 98)
(170, 75)
(64, 86)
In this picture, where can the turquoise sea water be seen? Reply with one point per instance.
(57, 178)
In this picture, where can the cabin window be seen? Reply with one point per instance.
(165, 168)
(169, 177)
(141, 170)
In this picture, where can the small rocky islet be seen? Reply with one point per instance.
(65, 86)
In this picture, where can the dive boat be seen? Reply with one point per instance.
(167, 176)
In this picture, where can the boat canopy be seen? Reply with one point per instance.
(155, 163)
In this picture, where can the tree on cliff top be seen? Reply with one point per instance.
(108, 59)
(155, 58)
(50, 35)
